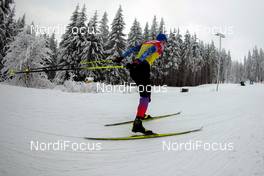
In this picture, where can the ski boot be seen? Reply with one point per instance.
(138, 127)
(146, 117)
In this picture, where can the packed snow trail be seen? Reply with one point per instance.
(235, 115)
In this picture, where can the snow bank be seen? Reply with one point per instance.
(73, 86)
(32, 83)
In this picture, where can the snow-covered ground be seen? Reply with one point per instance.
(232, 117)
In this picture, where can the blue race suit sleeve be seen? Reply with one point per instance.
(150, 51)
(131, 50)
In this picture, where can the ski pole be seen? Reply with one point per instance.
(105, 67)
(66, 69)
(83, 62)
(53, 68)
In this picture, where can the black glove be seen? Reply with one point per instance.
(118, 59)
(132, 66)
(129, 66)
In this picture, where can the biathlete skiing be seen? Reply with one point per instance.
(139, 70)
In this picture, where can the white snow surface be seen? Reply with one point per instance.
(234, 115)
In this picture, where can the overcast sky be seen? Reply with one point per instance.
(240, 20)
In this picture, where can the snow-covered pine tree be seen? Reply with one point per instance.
(104, 28)
(237, 70)
(5, 9)
(10, 32)
(191, 61)
(171, 57)
(244, 68)
(228, 67)
(261, 55)
(93, 24)
(134, 38)
(205, 69)
(210, 59)
(116, 46)
(146, 33)
(247, 60)
(93, 50)
(27, 51)
(116, 41)
(254, 65)
(71, 46)
(6, 14)
(214, 57)
(20, 23)
(225, 66)
(53, 46)
(258, 64)
(47, 62)
(154, 29)
(135, 35)
(196, 62)
(161, 26)
(10, 26)
(185, 59)
(222, 65)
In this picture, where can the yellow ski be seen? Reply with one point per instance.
(153, 118)
(134, 137)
